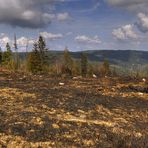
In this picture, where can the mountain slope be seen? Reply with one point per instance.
(117, 57)
(114, 56)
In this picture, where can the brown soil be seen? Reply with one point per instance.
(35, 111)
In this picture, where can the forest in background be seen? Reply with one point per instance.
(41, 60)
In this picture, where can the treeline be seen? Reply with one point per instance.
(38, 61)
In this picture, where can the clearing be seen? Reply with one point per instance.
(35, 111)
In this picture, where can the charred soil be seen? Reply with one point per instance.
(35, 111)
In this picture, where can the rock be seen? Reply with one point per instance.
(144, 80)
(61, 84)
(76, 78)
(94, 76)
(141, 94)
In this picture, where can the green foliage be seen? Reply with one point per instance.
(7, 55)
(34, 61)
(105, 69)
(43, 51)
(38, 59)
(1, 55)
(84, 65)
(67, 63)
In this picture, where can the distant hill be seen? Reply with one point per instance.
(115, 57)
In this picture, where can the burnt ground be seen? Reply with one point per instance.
(35, 111)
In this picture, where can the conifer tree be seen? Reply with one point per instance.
(0, 55)
(34, 61)
(68, 63)
(84, 64)
(7, 55)
(38, 59)
(43, 51)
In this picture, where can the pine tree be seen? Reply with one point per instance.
(38, 59)
(7, 55)
(43, 51)
(84, 64)
(34, 60)
(68, 63)
(0, 55)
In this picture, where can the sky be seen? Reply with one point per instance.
(76, 24)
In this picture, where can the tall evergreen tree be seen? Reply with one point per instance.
(34, 61)
(38, 59)
(43, 51)
(68, 62)
(84, 64)
(0, 55)
(7, 55)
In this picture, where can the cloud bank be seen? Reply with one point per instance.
(125, 33)
(142, 22)
(88, 40)
(132, 5)
(28, 13)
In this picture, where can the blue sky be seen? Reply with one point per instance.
(77, 24)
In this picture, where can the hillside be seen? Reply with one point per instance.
(36, 111)
(114, 56)
(123, 60)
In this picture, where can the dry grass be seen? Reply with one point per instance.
(37, 112)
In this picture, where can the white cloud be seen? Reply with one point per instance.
(27, 13)
(142, 22)
(132, 5)
(125, 33)
(23, 41)
(4, 39)
(51, 36)
(138, 7)
(63, 16)
(89, 40)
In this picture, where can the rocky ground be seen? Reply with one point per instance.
(35, 111)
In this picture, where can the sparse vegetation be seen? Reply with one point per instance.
(84, 65)
(73, 74)
(67, 63)
(70, 102)
(38, 112)
(38, 61)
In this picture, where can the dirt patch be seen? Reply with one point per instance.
(35, 111)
